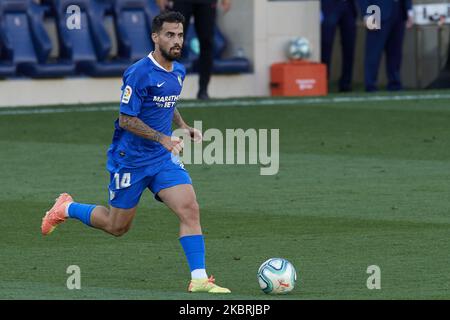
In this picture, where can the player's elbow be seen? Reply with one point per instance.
(123, 121)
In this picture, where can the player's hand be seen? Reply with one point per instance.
(173, 144)
(178, 146)
(195, 134)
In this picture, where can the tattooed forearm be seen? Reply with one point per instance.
(178, 120)
(139, 128)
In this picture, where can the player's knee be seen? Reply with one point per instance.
(118, 231)
(191, 212)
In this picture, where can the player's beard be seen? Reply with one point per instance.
(171, 54)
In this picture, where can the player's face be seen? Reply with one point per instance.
(170, 40)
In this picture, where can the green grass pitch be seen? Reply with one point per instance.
(360, 184)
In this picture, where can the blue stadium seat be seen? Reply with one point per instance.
(133, 24)
(90, 45)
(220, 65)
(7, 68)
(27, 43)
(227, 65)
(154, 7)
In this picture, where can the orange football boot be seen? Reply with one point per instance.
(56, 214)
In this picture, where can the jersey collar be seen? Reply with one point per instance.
(150, 55)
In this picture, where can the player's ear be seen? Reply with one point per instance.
(154, 36)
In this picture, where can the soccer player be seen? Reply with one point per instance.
(143, 150)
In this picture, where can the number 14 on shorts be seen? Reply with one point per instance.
(122, 182)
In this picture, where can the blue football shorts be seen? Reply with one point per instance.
(127, 185)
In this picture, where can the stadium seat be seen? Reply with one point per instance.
(90, 45)
(27, 43)
(154, 7)
(7, 68)
(231, 66)
(227, 65)
(220, 65)
(133, 24)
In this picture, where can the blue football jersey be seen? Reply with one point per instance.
(150, 93)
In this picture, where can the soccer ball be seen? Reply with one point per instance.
(298, 48)
(277, 276)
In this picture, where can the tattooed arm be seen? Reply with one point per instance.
(178, 120)
(139, 128)
(195, 134)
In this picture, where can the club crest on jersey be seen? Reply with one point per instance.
(127, 92)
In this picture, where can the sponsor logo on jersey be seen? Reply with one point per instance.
(165, 101)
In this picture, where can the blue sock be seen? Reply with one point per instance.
(81, 212)
(194, 249)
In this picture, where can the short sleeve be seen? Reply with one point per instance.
(132, 95)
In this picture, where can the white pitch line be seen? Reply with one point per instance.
(49, 110)
(234, 103)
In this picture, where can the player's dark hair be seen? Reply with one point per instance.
(167, 16)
